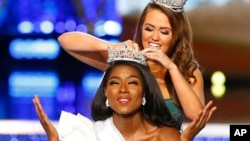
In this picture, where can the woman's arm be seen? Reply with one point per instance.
(191, 96)
(88, 48)
(198, 123)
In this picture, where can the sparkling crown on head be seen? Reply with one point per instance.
(174, 5)
(126, 54)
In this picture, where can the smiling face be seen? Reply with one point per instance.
(156, 30)
(124, 90)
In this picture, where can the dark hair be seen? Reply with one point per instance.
(181, 50)
(154, 111)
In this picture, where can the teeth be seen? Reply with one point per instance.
(154, 45)
(123, 100)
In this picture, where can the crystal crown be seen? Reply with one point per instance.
(174, 5)
(127, 54)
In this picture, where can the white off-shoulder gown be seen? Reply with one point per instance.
(79, 128)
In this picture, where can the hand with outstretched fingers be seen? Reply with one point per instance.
(45, 122)
(199, 123)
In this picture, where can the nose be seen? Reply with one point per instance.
(123, 88)
(155, 36)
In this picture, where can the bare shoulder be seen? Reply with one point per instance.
(197, 73)
(198, 76)
(168, 134)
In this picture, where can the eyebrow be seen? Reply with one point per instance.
(131, 76)
(160, 28)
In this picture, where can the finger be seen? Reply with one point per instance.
(209, 110)
(149, 53)
(207, 113)
(213, 109)
(38, 105)
(40, 112)
(148, 50)
(129, 43)
(135, 46)
(202, 117)
(198, 120)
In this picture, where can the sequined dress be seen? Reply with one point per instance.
(176, 112)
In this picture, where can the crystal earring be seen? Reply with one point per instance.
(143, 101)
(107, 103)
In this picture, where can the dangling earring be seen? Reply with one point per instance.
(107, 103)
(143, 101)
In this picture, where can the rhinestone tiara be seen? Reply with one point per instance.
(126, 54)
(174, 5)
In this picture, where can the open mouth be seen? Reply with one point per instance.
(153, 45)
(124, 100)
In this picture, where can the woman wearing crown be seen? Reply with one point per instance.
(128, 106)
(163, 34)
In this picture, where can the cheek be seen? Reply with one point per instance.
(137, 94)
(145, 39)
(166, 41)
(111, 91)
(111, 96)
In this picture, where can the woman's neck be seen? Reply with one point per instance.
(157, 69)
(159, 73)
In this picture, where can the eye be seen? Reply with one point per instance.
(147, 28)
(113, 82)
(133, 82)
(165, 32)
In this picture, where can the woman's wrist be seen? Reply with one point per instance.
(171, 66)
(185, 138)
(114, 46)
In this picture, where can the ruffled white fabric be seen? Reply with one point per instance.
(79, 128)
(75, 128)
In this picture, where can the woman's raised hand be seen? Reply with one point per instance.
(199, 123)
(45, 122)
(159, 56)
(131, 44)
